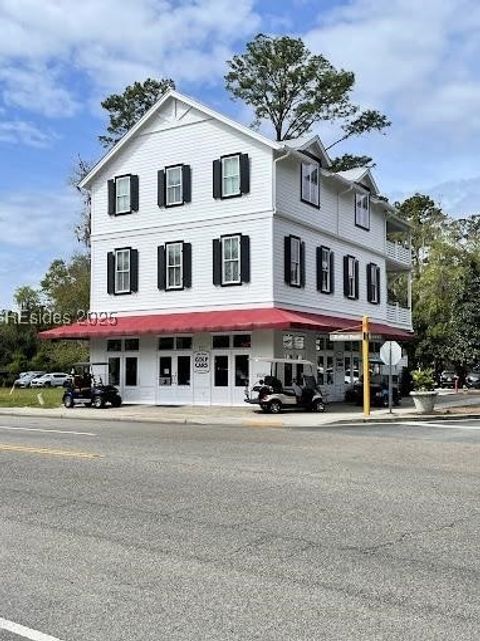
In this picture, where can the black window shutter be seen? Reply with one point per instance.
(187, 265)
(161, 188)
(111, 273)
(302, 264)
(217, 262)
(345, 276)
(111, 197)
(245, 259)
(319, 268)
(287, 254)
(244, 173)
(134, 193)
(134, 270)
(378, 285)
(369, 283)
(332, 272)
(357, 269)
(217, 178)
(187, 183)
(161, 271)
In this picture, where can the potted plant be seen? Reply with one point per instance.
(424, 394)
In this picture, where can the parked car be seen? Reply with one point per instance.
(472, 380)
(447, 378)
(25, 379)
(54, 379)
(85, 387)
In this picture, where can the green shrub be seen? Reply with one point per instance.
(423, 380)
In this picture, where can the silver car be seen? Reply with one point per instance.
(25, 379)
(54, 379)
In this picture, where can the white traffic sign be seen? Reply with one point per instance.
(391, 353)
(357, 336)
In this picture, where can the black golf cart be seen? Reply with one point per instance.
(85, 387)
(378, 387)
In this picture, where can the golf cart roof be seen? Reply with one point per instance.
(282, 360)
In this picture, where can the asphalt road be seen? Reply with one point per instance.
(144, 532)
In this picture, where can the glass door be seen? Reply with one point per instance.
(241, 364)
(221, 379)
(175, 379)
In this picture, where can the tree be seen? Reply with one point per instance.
(66, 286)
(428, 221)
(350, 161)
(126, 109)
(294, 89)
(83, 229)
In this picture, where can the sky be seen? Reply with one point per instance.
(415, 61)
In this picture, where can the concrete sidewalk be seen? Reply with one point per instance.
(448, 406)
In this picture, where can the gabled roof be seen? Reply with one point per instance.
(309, 143)
(168, 95)
(359, 175)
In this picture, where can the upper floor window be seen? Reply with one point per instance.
(294, 261)
(311, 183)
(350, 277)
(325, 265)
(174, 186)
(174, 265)
(231, 260)
(122, 271)
(373, 283)
(362, 210)
(122, 195)
(231, 176)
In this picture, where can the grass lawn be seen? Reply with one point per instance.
(29, 397)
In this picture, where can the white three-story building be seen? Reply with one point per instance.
(212, 245)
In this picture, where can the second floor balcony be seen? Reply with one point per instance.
(398, 244)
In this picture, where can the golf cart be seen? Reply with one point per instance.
(378, 386)
(289, 384)
(85, 387)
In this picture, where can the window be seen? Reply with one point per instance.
(241, 370)
(221, 342)
(230, 260)
(294, 261)
(183, 371)
(122, 195)
(114, 345)
(122, 271)
(362, 210)
(166, 342)
(131, 344)
(242, 340)
(131, 363)
(311, 183)
(231, 176)
(174, 186)
(350, 276)
(114, 370)
(221, 371)
(325, 267)
(174, 264)
(373, 283)
(184, 342)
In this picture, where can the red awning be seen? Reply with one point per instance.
(216, 321)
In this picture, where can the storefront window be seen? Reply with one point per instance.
(131, 344)
(242, 340)
(329, 371)
(321, 369)
(165, 342)
(287, 341)
(183, 367)
(131, 363)
(221, 342)
(114, 345)
(241, 370)
(184, 342)
(221, 371)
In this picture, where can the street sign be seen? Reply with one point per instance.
(357, 336)
(391, 353)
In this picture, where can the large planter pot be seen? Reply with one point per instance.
(424, 401)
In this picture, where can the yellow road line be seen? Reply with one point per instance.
(47, 451)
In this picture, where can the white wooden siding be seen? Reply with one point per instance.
(203, 294)
(309, 298)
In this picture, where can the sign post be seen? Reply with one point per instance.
(366, 368)
(391, 354)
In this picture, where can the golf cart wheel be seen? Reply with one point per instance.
(116, 401)
(275, 407)
(68, 402)
(318, 406)
(98, 402)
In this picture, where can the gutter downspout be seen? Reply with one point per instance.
(274, 181)
(339, 194)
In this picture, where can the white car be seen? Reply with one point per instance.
(55, 379)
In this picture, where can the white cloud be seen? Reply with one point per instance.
(26, 133)
(113, 43)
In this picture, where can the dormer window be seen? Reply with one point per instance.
(311, 183)
(362, 211)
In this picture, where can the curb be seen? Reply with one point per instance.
(417, 418)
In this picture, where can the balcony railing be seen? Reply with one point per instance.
(399, 315)
(397, 251)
